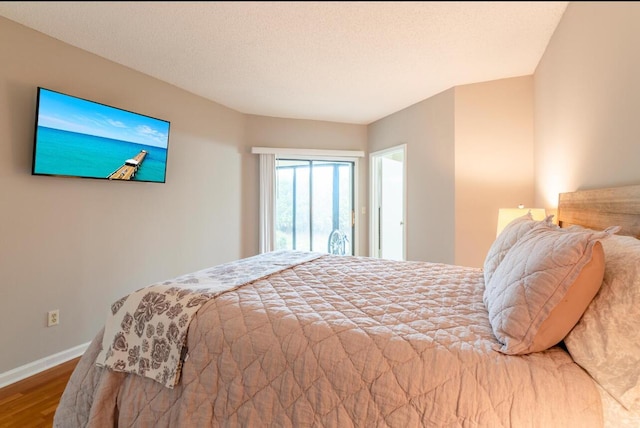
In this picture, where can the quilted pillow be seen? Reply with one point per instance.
(605, 341)
(543, 286)
(507, 238)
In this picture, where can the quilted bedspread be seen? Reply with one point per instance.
(343, 342)
(146, 330)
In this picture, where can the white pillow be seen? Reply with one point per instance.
(606, 341)
(507, 239)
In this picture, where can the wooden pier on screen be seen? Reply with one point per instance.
(128, 170)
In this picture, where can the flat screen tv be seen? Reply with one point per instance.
(75, 137)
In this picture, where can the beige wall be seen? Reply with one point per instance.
(469, 153)
(493, 160)
(65, 242)
(587, 101)
(62, 240)
(261, 131)
(428, 130)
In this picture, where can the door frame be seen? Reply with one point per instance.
(375, 196)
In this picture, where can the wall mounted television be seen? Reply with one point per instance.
(75, 137)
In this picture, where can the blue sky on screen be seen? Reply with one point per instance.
(68, 113)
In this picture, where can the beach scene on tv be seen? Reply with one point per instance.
(80, 138)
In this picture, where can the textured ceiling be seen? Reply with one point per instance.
(352, 62)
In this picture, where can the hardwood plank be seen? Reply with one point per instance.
(32, 402)
(35, 381)
(10, 398)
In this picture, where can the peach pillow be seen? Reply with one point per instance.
(543, 286)
(568, 312)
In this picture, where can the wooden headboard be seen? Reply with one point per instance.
(600, 208)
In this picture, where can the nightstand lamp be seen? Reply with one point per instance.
(507, 215)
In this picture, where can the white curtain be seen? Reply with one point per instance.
(267, 202)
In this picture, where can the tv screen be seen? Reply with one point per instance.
(75, 137)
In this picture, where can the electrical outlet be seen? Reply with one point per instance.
(53, 318)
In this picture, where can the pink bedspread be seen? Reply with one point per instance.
(343, 342)
(145, 332)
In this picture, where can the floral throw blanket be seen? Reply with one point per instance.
(146, 331)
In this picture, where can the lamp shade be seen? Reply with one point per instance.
(507, 215)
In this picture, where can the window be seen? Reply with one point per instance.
(314, 206)
(307, 200)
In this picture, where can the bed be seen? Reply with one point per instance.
(541, 336)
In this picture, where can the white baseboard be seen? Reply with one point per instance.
(23, 372)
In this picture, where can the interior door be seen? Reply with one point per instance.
(391, 209)
(388, 204)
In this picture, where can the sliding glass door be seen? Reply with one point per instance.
(314, 205)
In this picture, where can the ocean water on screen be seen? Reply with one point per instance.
(72, 154)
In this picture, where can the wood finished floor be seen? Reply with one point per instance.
(32, 402)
